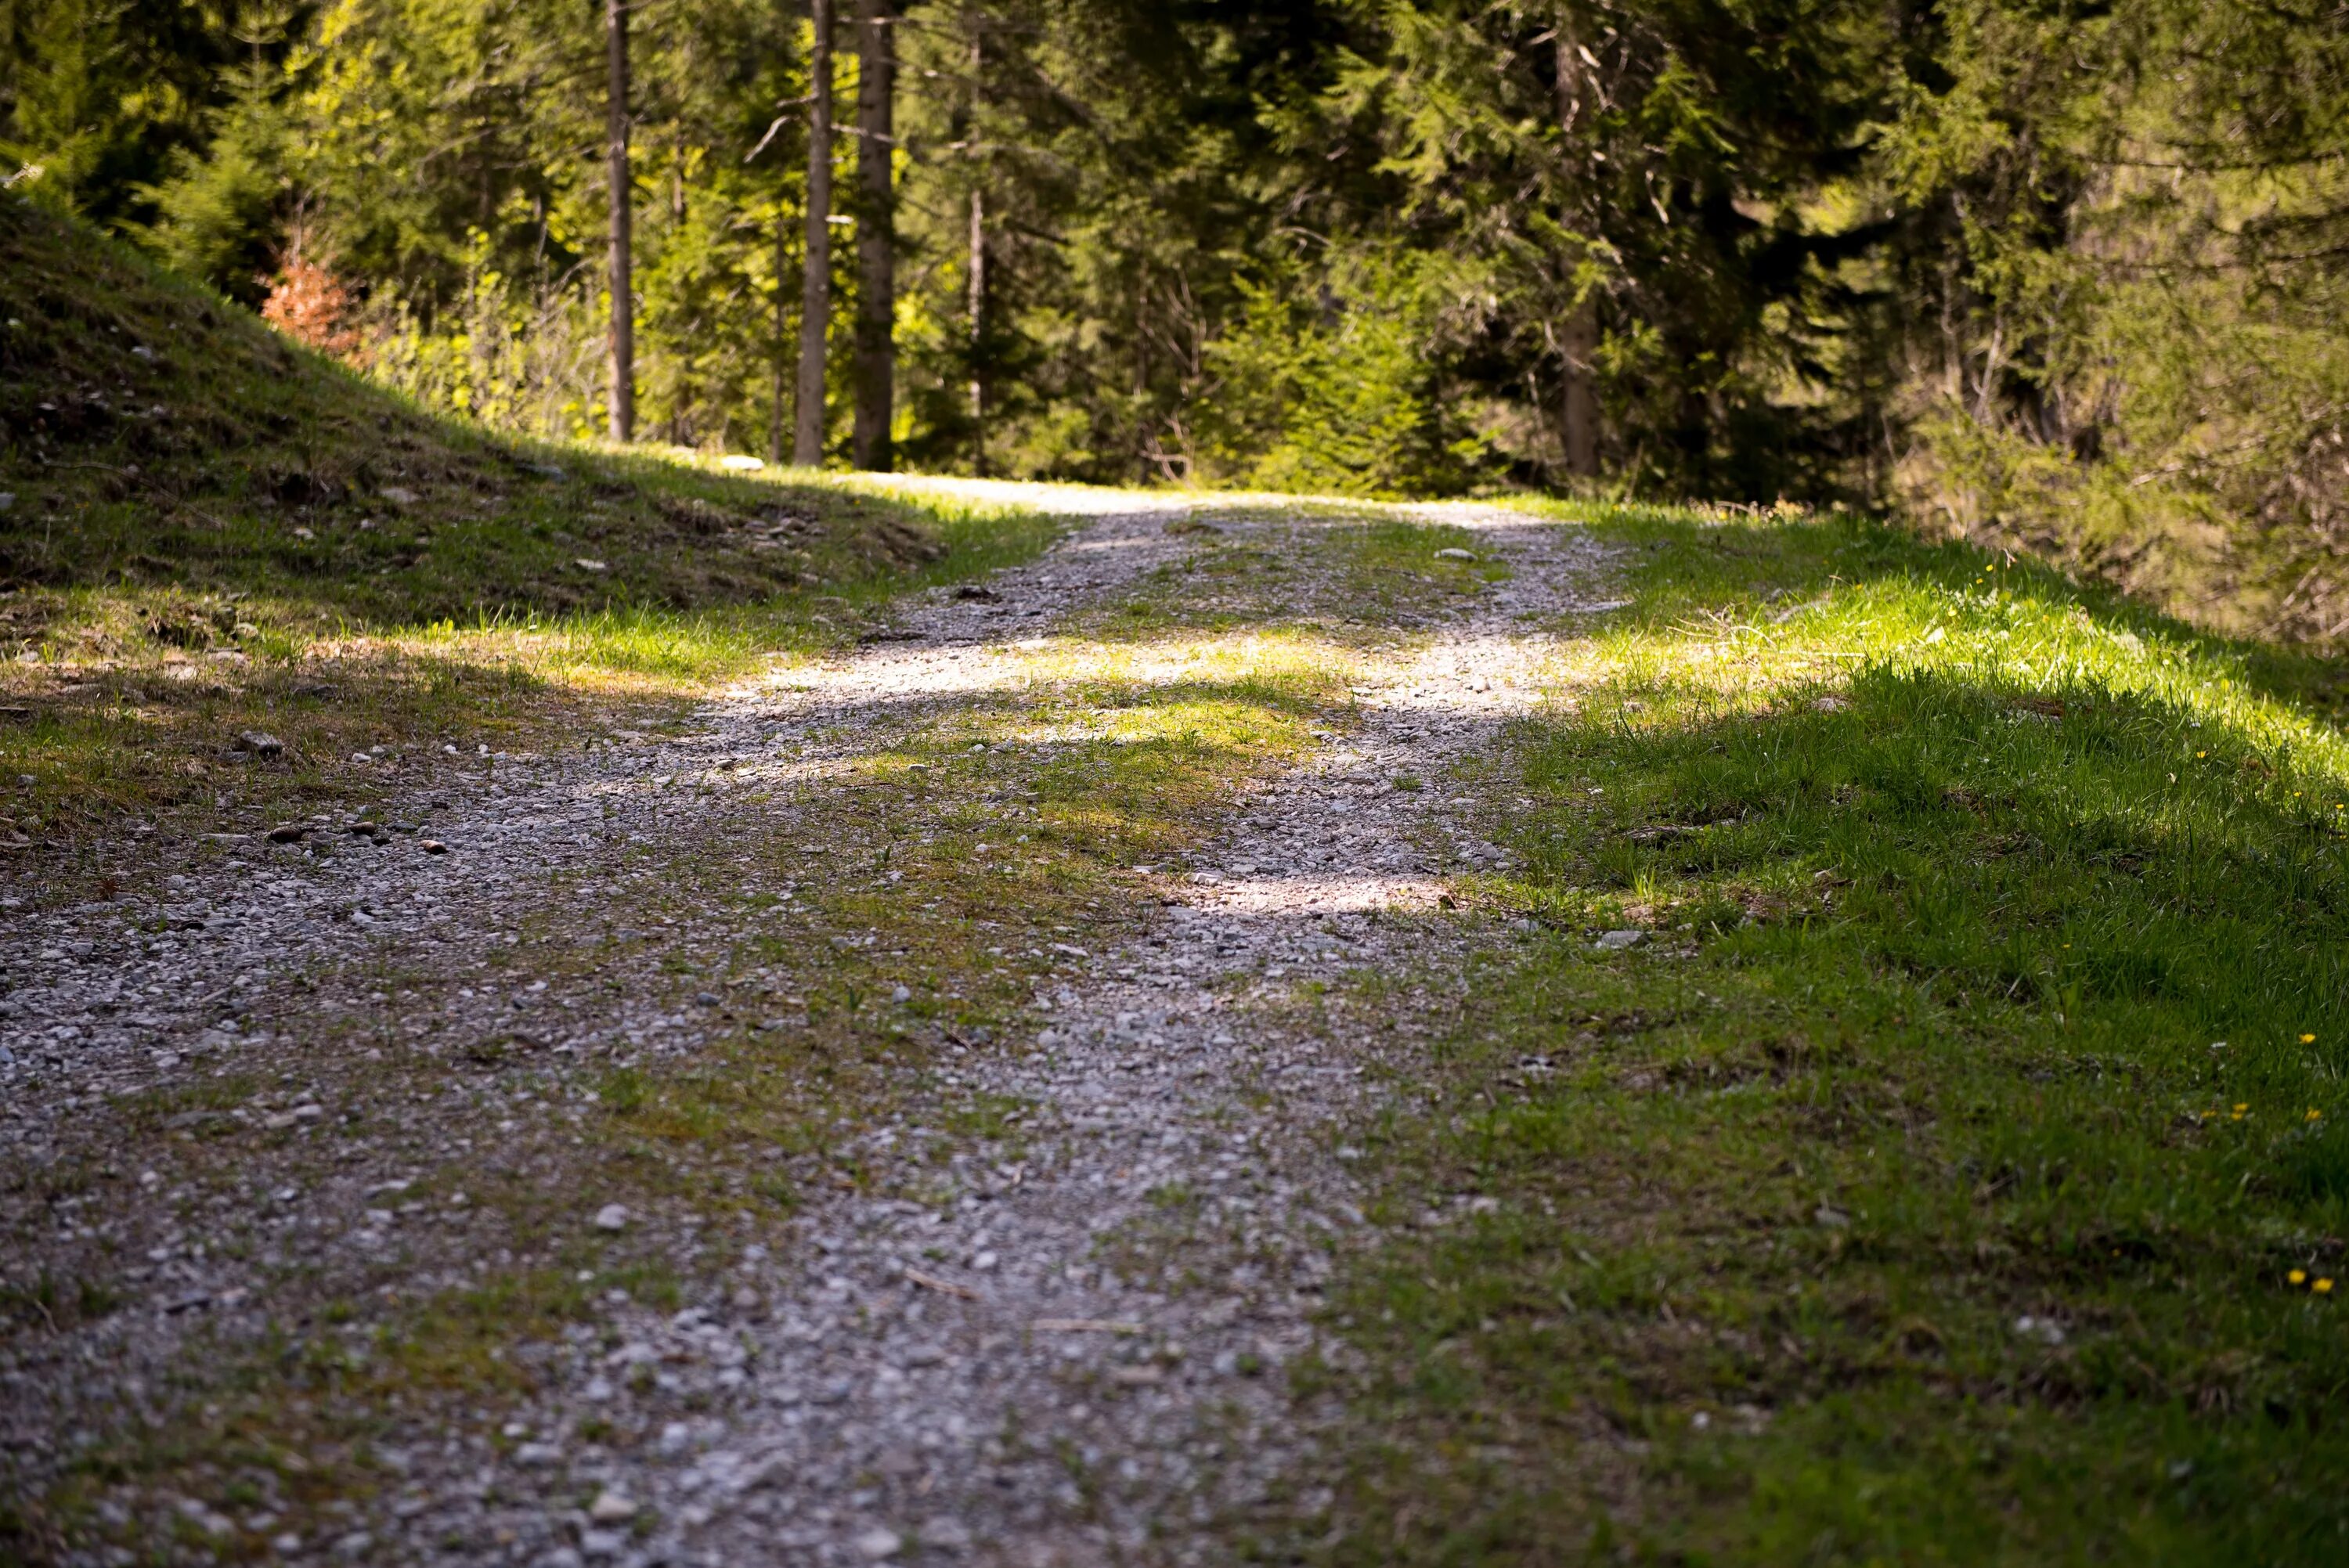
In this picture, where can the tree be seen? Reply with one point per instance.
(815, 259)
(876, 233)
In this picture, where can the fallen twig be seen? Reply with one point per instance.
(948, 1287)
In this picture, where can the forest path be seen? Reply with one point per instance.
(1039, 1281)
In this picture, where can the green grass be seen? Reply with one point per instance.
(211, 530)
(1958, 879)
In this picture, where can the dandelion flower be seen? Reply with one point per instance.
(2323, 1287)
(2201, 754)
(2241, 1107)
(2314, 1114)
(2308, 1039)
(2298, 1276)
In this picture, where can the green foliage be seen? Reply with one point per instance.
(1331, 391)
(2140, 364)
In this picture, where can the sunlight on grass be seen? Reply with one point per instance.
(1967, 1135)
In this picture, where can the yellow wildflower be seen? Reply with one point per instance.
(2298, 1276)
(2323, 1287)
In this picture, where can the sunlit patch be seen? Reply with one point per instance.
(1314, 894)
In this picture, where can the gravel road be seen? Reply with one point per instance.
(264, 1076)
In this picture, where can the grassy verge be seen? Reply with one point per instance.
(1959, 1171)
(209, 535)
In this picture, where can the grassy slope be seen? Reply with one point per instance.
(213, 531)
(1897, 1203)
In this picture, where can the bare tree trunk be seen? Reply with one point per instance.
(1579, 343)
(876, 233)
(815, 294)
(977, 269)
(1578, 400)
(978, 330)
(782, 336)
(623, 397)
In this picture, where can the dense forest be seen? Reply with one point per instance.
(2061, 275)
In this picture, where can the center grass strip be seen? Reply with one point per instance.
(1960, 1170)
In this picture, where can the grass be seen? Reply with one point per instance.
(210, 532)
(1968, 1141)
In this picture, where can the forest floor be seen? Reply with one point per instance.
(1267, 1030)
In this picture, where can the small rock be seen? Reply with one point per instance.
(586, 564)
(946, 1534)
(261, 743)
(597, 1545)
(538, 1455)
(674, 1438)
(7, 500)
(1454, 553)
(900, 994)
(398, 495)
(291, 833)
(1616, 940)
(875, 1544)
(434, 847)
(611, 1217)
(2045, 1330)
(612, 1508)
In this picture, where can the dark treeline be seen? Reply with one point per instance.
(2064, 274)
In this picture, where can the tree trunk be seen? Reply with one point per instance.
(1579, 341)
(623, 397)
(977, 331)
(977, 270)
(1579, 398)
(815, 294)
(784, 336)
(876, 233)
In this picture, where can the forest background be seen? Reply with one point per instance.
(2064, 277)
